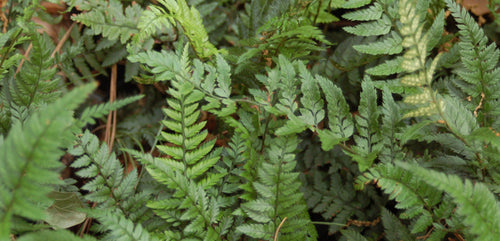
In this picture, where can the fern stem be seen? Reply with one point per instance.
(317, 12)
(106, 181)
(268, 120)
(328, 223)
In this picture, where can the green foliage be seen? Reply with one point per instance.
(279, 211)
(476, 203)
(29, 159)
(184, 172)
(248, 120)
(27, 90)
(109, 187)
(368, 139)
(477, 79)
(110, 19)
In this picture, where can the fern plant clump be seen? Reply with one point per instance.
(248, 120)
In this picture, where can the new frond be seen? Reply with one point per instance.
(190, 20)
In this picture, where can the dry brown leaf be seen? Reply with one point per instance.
(477, 7)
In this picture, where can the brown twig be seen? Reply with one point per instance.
(109, 135)
(62, 41)
(278, 229)
(480, 105)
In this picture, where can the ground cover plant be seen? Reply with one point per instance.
(249, 120)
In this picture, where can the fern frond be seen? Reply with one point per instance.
(479, 72)
(120, 227)
(459, 119)
(478, 206)
(13, 37)
(340, 122)
(278, 197)
(214, 85)
(391, 124)
(97, 111)
(112, 20)
(311, 110)
(108, 187)
(393, 227)
(189, 157)
(320, 12)
(190, 20)
(373, 12)
(287, 34)
(402, 186)
(389, 67)
(381, 26)
(152, 21)
(420, 74)
(61, 234)
(35, 84)
(377, 21)
(388, 45)
(30, 157)
(368, 139)
(258, 13)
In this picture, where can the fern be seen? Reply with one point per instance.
(320, 12)
(110, 20)
(274, 120)
(190, 21)
(152, 21)
(257, 13)
(415, 197)
(380, 17)
(34, 85)
(479, 60)
(287, 35)
(110, 188)
(339, 119)
(189, 205)
(368, 140)
(414, 63)
(29, 158)
(279, 208)
(116, 23)
(54, 235)
(391, 127)
(476, 203)
(121, 228)
(378, 23)
(394, 228)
